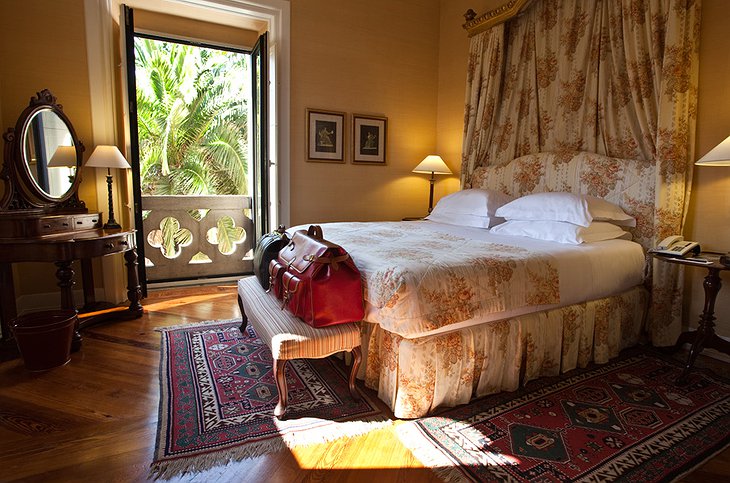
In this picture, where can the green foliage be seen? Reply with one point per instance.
(226, 235)
(192, 118)
(170, 238)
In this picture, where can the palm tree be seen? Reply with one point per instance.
(192, 130)
(191, 111)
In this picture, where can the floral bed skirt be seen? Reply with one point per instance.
(416, 376)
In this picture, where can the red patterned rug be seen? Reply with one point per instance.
(624, 421)
(217, 398)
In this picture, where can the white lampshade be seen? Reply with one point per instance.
(63, 156)
(432, 164)
(107, 157)
(718, 156)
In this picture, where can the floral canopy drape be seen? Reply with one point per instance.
(615, 77)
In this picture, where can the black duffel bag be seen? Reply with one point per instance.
(266, 250)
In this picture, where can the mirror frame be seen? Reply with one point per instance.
(22, 192)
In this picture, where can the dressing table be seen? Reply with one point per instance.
(43, 220)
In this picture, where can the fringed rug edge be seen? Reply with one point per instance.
(198, 325)
(166, 469)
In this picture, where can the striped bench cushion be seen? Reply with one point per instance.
(287, 336)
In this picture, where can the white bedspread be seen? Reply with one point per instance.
(423, 278)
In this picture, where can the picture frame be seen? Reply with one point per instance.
(369, 139)
(325, 136)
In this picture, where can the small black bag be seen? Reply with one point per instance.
(267, 249)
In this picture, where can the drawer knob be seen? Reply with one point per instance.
(79, 222)
(109, 246)
(124, 243)
(46, 226)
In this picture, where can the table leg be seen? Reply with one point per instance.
(705, 335)
(134, 291)
(65, 274)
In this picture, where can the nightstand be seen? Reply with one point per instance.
(705, 335)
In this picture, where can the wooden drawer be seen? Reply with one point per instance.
(87, 221)
(34, 226)
(51, 224)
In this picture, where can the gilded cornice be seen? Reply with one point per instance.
(487, 20)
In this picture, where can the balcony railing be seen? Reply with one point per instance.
(188, 237)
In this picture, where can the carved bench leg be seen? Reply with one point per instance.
(244, 319)
(280, 409)
(357, 358)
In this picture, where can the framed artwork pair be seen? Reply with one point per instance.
(326, 137)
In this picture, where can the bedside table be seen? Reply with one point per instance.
(705, 335)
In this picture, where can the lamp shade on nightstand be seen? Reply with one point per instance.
(432, 164)
(717, 156)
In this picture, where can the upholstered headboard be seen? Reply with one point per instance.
(625, 182)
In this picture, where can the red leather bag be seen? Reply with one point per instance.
(317, 280)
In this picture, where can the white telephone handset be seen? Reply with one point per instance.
(676, 246)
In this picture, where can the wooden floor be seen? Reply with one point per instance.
(95, 419)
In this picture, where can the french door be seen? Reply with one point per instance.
(200, 164)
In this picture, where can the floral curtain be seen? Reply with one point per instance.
(612, 77)
(483, 84)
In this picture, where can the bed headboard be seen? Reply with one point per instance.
(626, 182)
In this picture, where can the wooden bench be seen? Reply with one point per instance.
(290, 338)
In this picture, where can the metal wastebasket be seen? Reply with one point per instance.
(44, 338)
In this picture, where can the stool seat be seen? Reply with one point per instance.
(290, 338)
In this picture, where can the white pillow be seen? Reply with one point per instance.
(464, 220)
(572, 208)
(603, 210)
(548, 206)
(562, 232)
(470, 207)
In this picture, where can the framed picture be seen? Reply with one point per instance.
(325, 136)
(369, 139)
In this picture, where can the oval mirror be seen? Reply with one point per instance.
(49, 153)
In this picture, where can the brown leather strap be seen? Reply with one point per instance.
(334, 261)
(330, 259)
(287, 292)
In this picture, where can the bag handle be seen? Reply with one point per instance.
(315, 231)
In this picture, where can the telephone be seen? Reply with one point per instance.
(676, 246)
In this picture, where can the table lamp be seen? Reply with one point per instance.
(432, 164)
(718, 156)
(108, 157)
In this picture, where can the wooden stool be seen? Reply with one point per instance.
(290, 338)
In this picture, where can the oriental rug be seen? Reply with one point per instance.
(623, 421)
(217, 398)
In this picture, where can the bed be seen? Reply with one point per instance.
(455, 312)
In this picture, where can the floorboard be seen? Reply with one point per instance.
(95, 418)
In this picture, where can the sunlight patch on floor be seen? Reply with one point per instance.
(190, 299)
